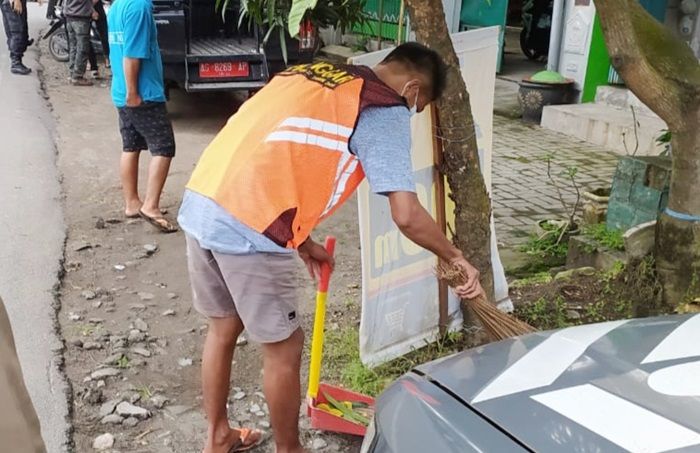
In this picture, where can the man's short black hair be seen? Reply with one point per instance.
(424, 60)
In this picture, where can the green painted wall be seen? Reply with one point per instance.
(598, 64)
(599, 67)
(486, 13)
(390, 13)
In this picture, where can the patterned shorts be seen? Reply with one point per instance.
(147, 127)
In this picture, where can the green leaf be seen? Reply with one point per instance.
(271, 11)
(224, 6)
(221, 6)
(348, 414)
(243, 13)
(283, 44)
(296, 15)
(269, 32)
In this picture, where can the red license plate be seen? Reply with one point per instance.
(224, 69)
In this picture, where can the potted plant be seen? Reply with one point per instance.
(291, 27)
(595, 205)
(566, 227)
(544, 88)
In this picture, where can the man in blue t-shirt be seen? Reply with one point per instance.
(139, 95)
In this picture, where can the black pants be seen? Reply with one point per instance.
(101, 24)
(16, 28)
(51, 10)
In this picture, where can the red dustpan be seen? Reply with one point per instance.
(331, 408)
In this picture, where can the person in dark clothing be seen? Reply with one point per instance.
(78, 15)
(51, 10)
(14, 18)
(101, 24)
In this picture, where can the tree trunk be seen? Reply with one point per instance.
(461, 156)
(678, 239)
(663, 72)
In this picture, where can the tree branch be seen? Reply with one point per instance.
(646, 54)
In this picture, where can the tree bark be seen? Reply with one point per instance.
(461, 156)
(663, 72)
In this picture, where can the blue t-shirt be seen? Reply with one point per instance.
(133, 34)
(381, 142)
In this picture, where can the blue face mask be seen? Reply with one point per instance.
(414, 109)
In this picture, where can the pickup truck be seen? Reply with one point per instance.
(203, 51)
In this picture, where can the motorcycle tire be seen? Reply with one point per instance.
(58, 45)
(530, 53)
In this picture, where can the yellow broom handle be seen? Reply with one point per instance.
(319, 322)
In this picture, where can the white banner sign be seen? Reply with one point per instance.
(399, 287)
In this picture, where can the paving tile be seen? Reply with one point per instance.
(523, 194)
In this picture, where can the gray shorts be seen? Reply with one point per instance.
(260, 289)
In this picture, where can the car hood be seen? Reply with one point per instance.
(630, 385)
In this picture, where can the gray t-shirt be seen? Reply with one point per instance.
(78, 8)
(381, 142)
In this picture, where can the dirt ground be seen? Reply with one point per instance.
(126, 309)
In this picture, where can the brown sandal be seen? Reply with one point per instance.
(138, 214)
(249, 439)
(163, 224)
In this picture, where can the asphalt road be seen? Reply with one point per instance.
(32, 235)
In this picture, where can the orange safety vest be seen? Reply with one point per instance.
(282, 163)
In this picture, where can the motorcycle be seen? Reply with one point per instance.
(58, 37)
(537, 26)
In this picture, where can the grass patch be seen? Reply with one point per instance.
(123, 362)
(535, 279)
(638, 282)
(554, 313)
(546, 246)
(611, 239)
(608, 310)
(545, 314)
(533, 266)
(622, 292)
(615, 271)
(342, 361)
(86, 330)
(144, 392)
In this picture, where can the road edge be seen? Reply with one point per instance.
(48, 121)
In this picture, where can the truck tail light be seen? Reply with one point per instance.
(307, 36)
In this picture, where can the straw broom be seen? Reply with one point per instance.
(498, 325)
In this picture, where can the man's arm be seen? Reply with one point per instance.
(131, 74)
(382, 143)
(417, 225)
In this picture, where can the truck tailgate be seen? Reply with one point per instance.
(225, 63)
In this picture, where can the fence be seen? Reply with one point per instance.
(391, 10)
